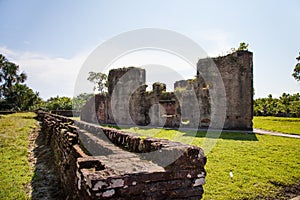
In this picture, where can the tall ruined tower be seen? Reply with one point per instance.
(236, 71)
(125, 91)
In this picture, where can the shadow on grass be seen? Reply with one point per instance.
(284, 191)
(113, 126)
(227, 135)
(45, 182)
(224, 135)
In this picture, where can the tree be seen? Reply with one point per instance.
(13, 94)
(59, 103)
(296, 73)
(21, 97)
(9, 76)
(295, 108)
(287, 105)
(100, 79)
(55, 103)
(80, 100)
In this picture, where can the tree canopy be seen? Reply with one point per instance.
(9, 76)
(64, 103)
(21, 97)
(13, 94)
(80, 100)
(286, 105)
(100, 80)
(296, 73)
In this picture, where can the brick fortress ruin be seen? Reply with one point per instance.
(189, 105)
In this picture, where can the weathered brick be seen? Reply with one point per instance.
(125, 167)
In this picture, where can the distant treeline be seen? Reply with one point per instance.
(285, 106)
(63, 103)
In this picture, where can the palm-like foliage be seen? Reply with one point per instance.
(9, 76)
(22, 97)
(296, 73)
(13, 94)
(286, 105)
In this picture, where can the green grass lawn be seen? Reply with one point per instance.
(15, 171)
(279, 124)
(75, 118)
(262, 165)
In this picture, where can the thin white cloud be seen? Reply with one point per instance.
(160, 66)
(47, 75)
(214, 42)
(7, 52)
(53, 76)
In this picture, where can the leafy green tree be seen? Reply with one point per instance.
(295, 108)
(13, 94)
(64, 103)
(9, 76)
(286, 105)
(296, 73)
(258, 107)
(80, 100)
(21, 97)
(100, 80)
(58, 103)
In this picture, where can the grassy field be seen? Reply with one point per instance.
(279, 124)
(262, 165)
(15, 172)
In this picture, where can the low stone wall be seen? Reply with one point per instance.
(103, 163)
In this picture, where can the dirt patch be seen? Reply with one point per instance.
(45, 183)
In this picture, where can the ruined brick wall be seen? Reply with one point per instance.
(61, 135)
(125, 95)
(102, 163)
(237, 73)
(133, 106)
(191, 103)
(162, 107)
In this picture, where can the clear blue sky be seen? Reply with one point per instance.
(51, 39)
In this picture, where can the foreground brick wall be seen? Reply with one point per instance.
(125, 166)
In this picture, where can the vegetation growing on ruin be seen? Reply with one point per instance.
(99, 79)
(263, 166)
(15, 171)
